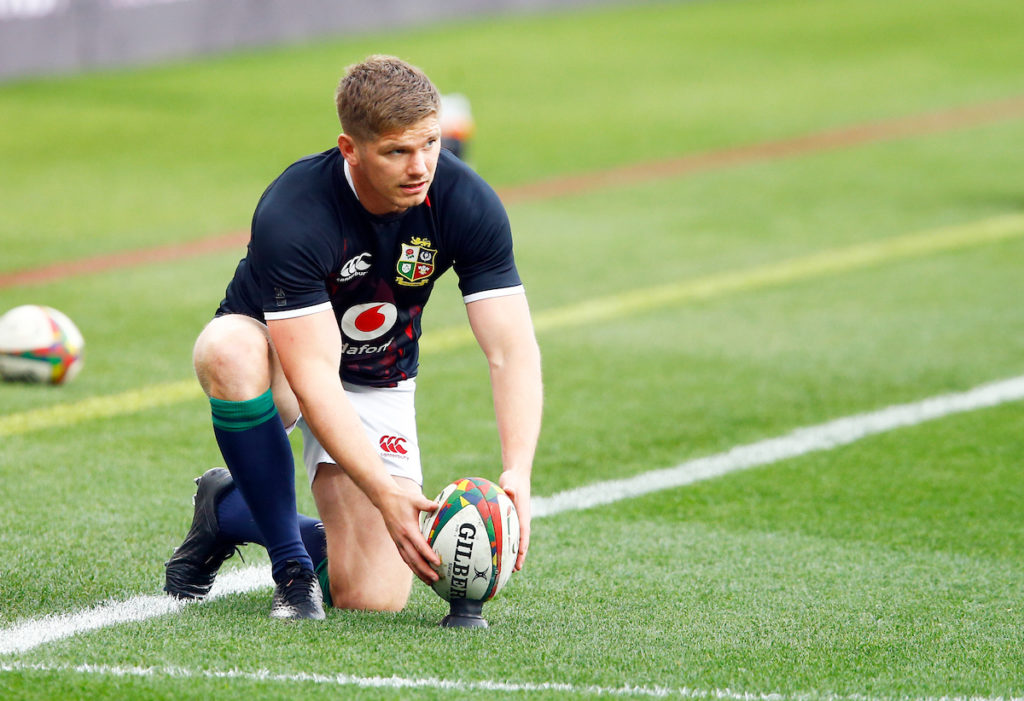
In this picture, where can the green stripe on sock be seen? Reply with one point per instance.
(325, 583)
(239, 416)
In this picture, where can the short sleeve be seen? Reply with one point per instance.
(482, 256)
(291, 257)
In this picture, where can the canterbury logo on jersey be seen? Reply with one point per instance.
(354, 267)
(394, 445)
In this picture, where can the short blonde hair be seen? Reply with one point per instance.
(384, 94)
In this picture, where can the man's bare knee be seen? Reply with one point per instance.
(370, 599)
(232, 358)
(367, 572)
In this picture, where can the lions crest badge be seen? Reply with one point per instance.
(415, 262)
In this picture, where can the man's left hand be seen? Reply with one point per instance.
(517, 486)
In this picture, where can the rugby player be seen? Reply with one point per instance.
(319, 330)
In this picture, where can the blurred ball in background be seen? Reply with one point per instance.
(457, 126)
(39, 344)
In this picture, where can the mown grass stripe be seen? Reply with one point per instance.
(815, 265)
(915, 125)
(27, 635)
(803, 268)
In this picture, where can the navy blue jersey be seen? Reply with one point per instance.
(314, 247)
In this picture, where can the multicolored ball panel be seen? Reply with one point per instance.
(486, 498)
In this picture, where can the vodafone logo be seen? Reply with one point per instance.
(364, 322)
(395, 445)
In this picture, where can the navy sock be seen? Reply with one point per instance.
(238, 526)
(259, 456)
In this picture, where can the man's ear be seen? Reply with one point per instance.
(348, 149)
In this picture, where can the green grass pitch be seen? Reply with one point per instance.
(890, 568)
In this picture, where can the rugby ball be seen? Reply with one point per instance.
(39, 344)
(475, 532)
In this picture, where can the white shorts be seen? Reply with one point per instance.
(389, 417)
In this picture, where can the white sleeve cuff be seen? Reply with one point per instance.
(488, 294)
(292, 313)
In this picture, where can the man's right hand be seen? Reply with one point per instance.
(401, 511)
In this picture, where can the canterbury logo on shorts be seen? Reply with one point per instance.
(393, 445)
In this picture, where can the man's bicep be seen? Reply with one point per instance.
(501, 322)
(307, 345)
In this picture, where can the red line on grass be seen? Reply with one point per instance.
(636, 173)
(913, 125)
(124, 259)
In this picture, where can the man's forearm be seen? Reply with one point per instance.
(518, 403)
(336, 425)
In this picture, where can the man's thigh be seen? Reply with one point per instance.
(388, 415)
(364, 566)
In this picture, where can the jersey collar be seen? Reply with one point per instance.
(348, 177)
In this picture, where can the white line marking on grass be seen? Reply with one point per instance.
(827, 436)
(459, 686)
(794, 444)
(32, 633)
(374, 682)
(815, 265)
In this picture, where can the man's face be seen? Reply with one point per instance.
(393, 172)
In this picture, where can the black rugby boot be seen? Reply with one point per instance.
(193, 565)
(298, 595)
